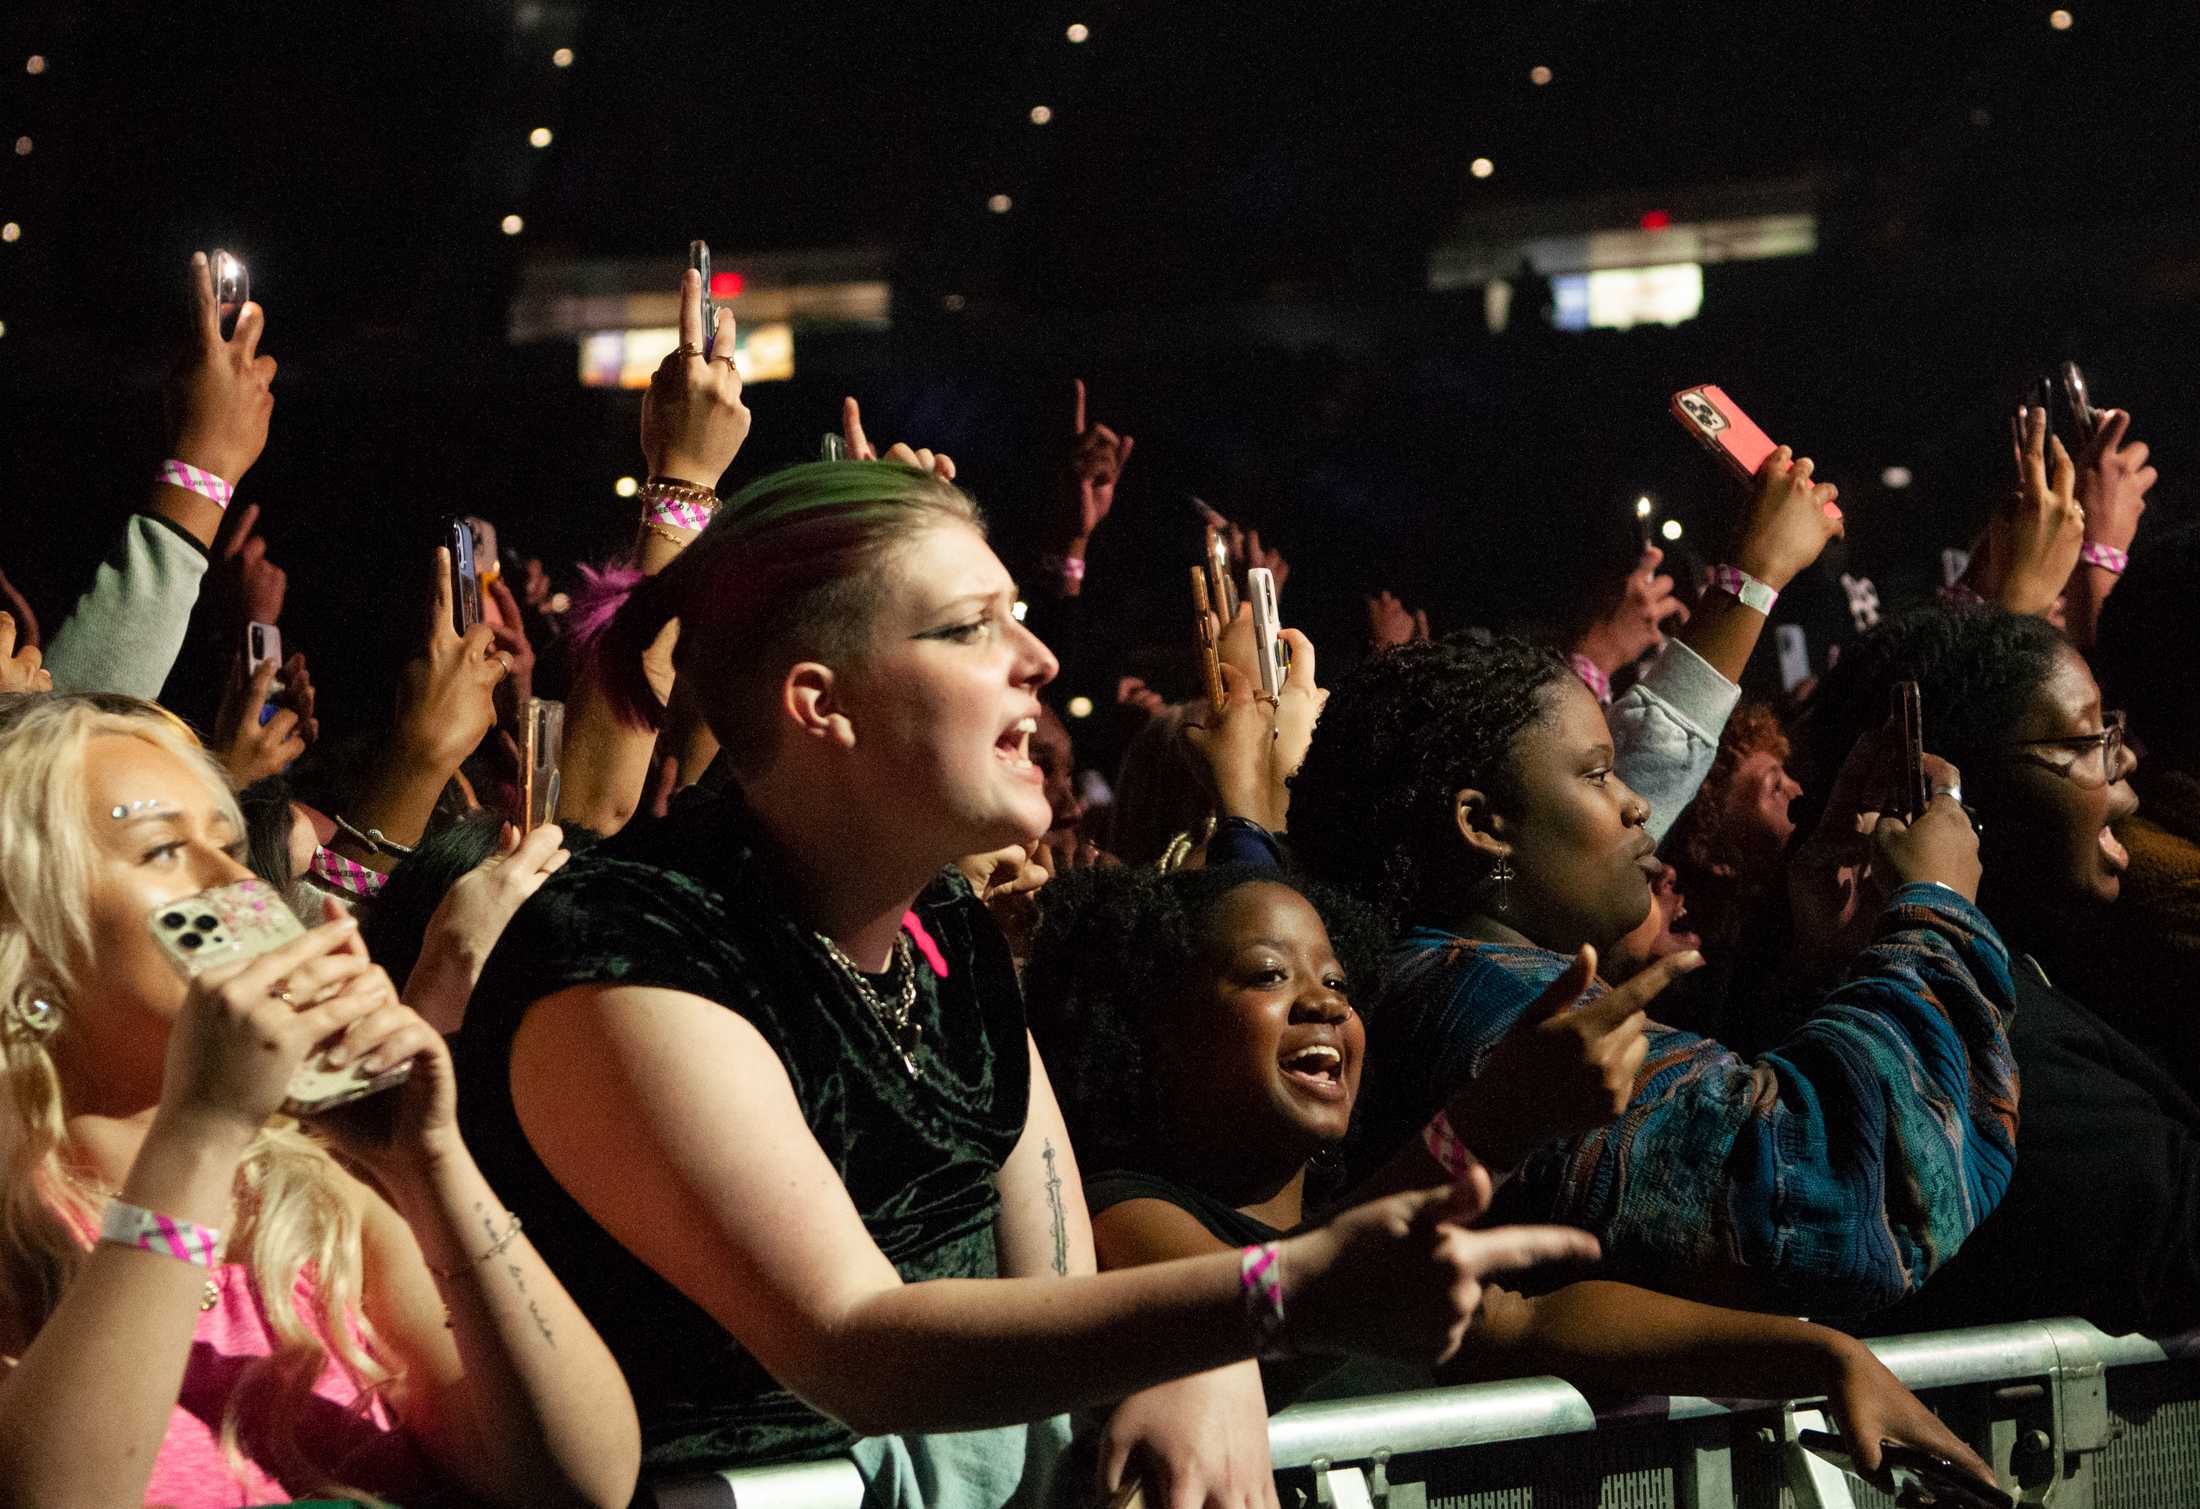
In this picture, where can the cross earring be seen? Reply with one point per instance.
(1503, 875)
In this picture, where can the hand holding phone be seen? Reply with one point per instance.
(1916, 1479)
(699, 259)
(263, 645)
(1904, 712)
(458, 534)
(1268, 650)
(232, 290)
(1206, 636)
(1219, 578)
(542, 749)
(243, 921)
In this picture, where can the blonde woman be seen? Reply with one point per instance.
(198, 1305)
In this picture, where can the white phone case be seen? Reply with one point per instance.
(1260, 586)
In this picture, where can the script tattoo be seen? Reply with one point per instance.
(1061, 1217)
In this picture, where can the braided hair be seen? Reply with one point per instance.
(1371, 807)
(1108, 960)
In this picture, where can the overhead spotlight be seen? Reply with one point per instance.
(1642, 506)
(2061, 20)
(1041, 114)
(3, 327)
(539, 137)
(11, 232)
(626, 487)
(562, 58)
(512, 225)
(1000, 204)
(34, 64)
(1539, 75)
(1481, 167)
(22, 146)
(953, 303)
(1078, 31)
(1671, 529)
(1896, 477)
(1080, 707)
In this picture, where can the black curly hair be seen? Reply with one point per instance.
(2143, 655)
(1976, 670)
(1109, 952)
(1371, 807)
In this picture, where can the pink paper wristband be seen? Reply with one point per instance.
(183, 474)
(2107, 557)
(128, 1225)
(1443, 1144)
(1260, 1285)
(346, 875)
(1592, 676)
(678, 514)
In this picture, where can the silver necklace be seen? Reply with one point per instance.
(900, 1030)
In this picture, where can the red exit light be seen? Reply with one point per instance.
(725, 285)
(1652, 220)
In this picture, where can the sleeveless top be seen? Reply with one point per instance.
(695, 903)
(348, 1441)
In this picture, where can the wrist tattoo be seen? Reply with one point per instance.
(1061, 1217)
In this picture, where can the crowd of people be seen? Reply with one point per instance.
(821, 1063)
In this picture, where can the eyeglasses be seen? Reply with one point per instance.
(2099, 757)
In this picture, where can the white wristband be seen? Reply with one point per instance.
(1752, 592)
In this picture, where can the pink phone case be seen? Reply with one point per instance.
(1716, 420)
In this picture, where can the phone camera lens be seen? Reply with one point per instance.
(189, 940)
(171, 919)
(205, 924)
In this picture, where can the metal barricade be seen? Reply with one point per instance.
(2068, 1415)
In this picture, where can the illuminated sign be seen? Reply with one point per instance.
(762, 352)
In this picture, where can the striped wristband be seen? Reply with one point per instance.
(1751, 592)
(2107, 557)
(1260, 1286)
(184, 475)
(128, 1225)
(1592, 676)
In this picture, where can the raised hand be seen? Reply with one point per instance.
(1097, 458)
(26, 622)
(1132, 691)
(1789, 520)
(1247, 550)
(1388, 622)
(259, 585)
(221, 397)
(446, 697)
(2113, 482)
(510, 636)
(22, 667)
(248, 749)
(693, 419)
(1566, 1067)
(1636, 624)
(2039, 533)
(1256, 744)
(471, 918)
(858, 446)
(1402, 1277)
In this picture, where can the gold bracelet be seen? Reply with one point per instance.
(686, 492)
(495, 1247)
(667, 532)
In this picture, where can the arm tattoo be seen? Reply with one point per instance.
(1061, 1217)
(517, 1275)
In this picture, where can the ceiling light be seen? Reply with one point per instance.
(539, 137)
(1671, 529)
(1078, 31)
(1539, 75)
(22, 146)
(1080, 707)
(34, 64)
(11, 232)
(512, 225)
(1481, 167)
(1041, 114)
(1896, 477)
(626, 487)
(2060, 19)
(953, 303)
(1000, 204)
(562, 58)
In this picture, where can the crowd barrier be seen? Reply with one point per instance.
(2068, 1415)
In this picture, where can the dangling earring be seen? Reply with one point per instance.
(1503, 875)
(34, 1015)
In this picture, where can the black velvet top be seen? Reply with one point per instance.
(695, 903)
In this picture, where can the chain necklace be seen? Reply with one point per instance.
(900, 1030)
(209, 1297)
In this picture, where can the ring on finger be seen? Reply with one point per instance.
(687, 349)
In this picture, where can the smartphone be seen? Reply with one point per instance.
(263, 644)
(1218, 571)
(1210, 650)
(1646, 525)
(1719, 423)
(1916, 1479)
(1794, 652)
(2070, 411)
(1260, 588)
(458, 534)
(542, 748)
(1208, 514)
(699, 259)
(232, 287)
(243, 920)
(832, 448)
(1911, 798)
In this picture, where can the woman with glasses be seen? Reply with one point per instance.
(2102, 1216)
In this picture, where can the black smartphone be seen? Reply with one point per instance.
(232, 287)
(2069, 405)
(699, 259)
(1916, 1479)
(458, 534)
(1906, 709)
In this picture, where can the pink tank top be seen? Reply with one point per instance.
(363, 1449)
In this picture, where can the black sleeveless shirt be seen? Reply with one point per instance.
(696, 903)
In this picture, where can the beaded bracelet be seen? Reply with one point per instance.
(192, 479)
(1260, 1287)
(2107, 557)
(128, 1225)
